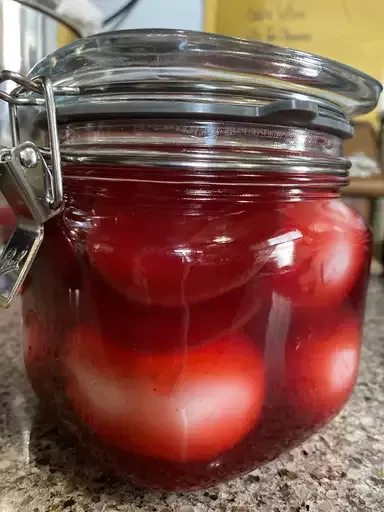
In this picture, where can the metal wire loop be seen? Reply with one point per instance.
(28, 84)
(35, 85)
(43, 87)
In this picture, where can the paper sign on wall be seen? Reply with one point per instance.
(349, 31)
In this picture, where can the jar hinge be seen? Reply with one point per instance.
(33, 190)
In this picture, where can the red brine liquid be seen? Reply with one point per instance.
(190, 332)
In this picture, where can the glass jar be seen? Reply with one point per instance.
(195, 308)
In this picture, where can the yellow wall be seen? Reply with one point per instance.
(64, 36)
(349, 31)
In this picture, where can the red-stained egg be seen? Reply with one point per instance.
(318, 260)
(322, 364)
(172, 260)
(181, 406)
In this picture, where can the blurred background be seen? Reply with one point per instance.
(345, 30)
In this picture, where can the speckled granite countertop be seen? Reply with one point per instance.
(340, 469)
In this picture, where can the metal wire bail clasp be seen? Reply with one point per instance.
(33, 190)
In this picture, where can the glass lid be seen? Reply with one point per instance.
(162, 71)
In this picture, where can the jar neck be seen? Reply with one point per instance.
(181, 134)
(251, 160)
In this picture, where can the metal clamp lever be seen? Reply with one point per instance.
(26, 182)
(33, 191)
